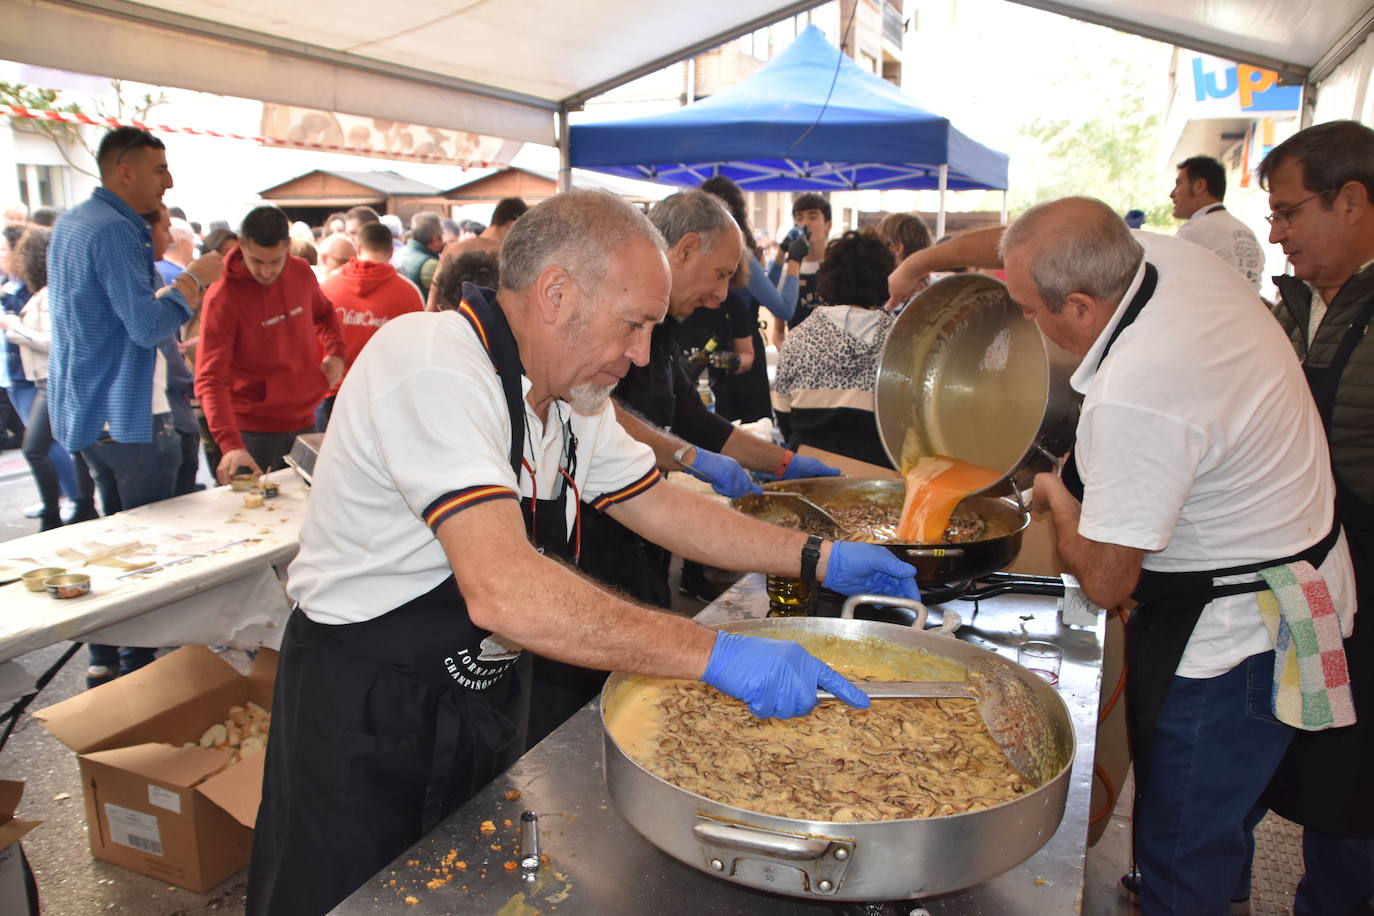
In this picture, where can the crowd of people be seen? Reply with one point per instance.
(491, 388)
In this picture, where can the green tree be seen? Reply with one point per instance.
(65, 135)
(1112, 155)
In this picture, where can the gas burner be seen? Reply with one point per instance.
(887, 908)
(828, 603)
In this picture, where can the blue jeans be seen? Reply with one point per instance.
(1216, 747)
(119, 659)
(133, 474)
(55, 460)
(129, 475)
(1339, 879)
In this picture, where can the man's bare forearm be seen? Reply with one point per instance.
(550, 608)
(976, 249)
(1107, 573)
(754, 453)
(700, 528)
(660, 440)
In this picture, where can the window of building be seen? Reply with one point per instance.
(43, 186)
(755, 44)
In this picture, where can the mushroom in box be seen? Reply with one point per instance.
(157, 801)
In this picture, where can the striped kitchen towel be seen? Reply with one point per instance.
(1311, 682)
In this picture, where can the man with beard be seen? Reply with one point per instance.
(443, 508)
(704, 250)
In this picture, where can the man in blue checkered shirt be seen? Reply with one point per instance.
(108, 315)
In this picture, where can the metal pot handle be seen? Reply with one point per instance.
(750, 839)
(823, 861)
(853, 601)
(935, 552)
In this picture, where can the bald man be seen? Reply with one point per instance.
(335, 251)
(1200, 460)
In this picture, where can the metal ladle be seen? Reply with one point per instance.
(1008, 707)
(768, 504)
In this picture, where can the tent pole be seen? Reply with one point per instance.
(564, 150)
(1004, 208)
(940, 216)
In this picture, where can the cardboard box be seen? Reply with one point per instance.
(181, 815)
(15, 897)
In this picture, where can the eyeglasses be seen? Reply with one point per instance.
(1282, 219)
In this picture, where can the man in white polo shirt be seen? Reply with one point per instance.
(1197, 195)
(1200, 459)
(460, 449)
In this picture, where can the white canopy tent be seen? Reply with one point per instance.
(1301, 40)
(514, 68)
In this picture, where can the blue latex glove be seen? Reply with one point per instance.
(775, 677)
(724, 474)
(867, 569)
(802, 466)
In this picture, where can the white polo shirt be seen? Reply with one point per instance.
(420, 432)
(1199, 443)
(1214, 228)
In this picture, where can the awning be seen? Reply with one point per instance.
(505, 67)
(497, 67)
(810, 119)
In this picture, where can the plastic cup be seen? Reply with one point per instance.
(1044, 658)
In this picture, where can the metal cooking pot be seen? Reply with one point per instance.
(936, 564)
(878, 860)
(964, 374)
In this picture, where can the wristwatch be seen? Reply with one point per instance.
(810, 557)
(680, 455)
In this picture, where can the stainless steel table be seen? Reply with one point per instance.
(598, 865)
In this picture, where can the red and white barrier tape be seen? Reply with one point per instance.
(68, 117)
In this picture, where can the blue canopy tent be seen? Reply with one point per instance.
(812, 119)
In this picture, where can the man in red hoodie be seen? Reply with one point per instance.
(258, 373)
(367, 292)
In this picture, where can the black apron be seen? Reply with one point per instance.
(1169, 604)
(396, 721)
(611, 553)
(1322, 782)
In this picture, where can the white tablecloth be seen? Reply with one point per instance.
(215, 579)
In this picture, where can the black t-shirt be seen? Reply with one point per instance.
(735, 318)
(662, 394)
(740, 396)
(807, 296)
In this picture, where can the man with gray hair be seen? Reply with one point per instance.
(1200, 482)
(179, 254)
(418, 259)
(1321, 194)
(437, 545)
(659, 406)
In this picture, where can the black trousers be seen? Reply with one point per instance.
(356, 754)
(269, 450)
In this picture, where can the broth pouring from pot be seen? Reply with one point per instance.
(935, 485)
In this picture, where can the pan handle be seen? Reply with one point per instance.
(822, 861)
(751, 839)
(853, 601)
(935, 552)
